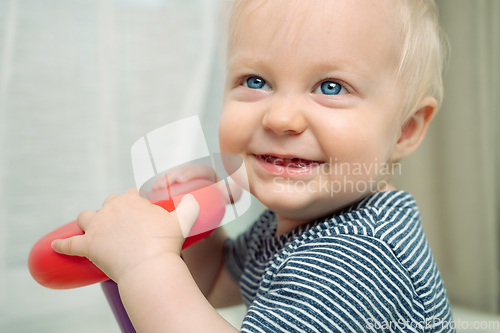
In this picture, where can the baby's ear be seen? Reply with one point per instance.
(413, 132)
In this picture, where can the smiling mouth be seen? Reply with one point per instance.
(288, 162)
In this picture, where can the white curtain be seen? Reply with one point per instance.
(455, 174)
(80, 82)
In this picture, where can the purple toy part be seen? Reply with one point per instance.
(110, 289)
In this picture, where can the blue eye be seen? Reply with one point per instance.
(255, 82)
(330, 88)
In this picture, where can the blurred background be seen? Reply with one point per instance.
(82, 80)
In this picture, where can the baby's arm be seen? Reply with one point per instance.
(205, 258)
(171, 299)
(161, 296)
(205, 262)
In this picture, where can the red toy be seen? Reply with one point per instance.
(57, 271)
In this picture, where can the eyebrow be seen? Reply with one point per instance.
(244, 61)
(343, 65)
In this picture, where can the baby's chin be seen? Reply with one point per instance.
(294, 206)
(306, 206)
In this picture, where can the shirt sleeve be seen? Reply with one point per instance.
(343, 283)
(236, 250)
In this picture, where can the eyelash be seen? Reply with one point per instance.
(340, 82)
(344, 85)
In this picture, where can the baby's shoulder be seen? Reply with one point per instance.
(386, 220)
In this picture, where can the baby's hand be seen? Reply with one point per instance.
(183, 174)
(128, 231)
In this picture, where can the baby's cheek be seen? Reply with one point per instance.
(224, 134)
(232, 133)
(355, 145)
(373, 157)
(238, 124)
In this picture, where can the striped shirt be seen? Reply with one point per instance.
(367, 268)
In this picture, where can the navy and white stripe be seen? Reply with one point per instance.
(366, 268)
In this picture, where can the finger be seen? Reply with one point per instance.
(171, 176)
(109, 199)
(143, 194)
(83, 219)
(187, 213)
(159, 183)
(73, 246)
(132, 192)
(184, 173)
(195, 171)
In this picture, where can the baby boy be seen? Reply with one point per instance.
(322, 99)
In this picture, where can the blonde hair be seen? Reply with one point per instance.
(424, 52)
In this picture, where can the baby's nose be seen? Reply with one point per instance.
(285, 116)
